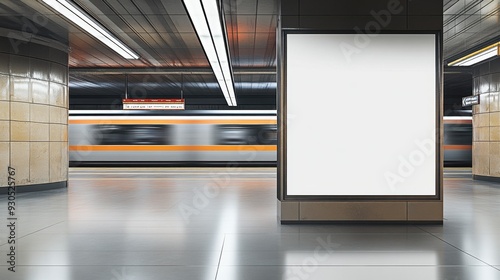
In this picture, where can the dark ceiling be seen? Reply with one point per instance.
(173, 63)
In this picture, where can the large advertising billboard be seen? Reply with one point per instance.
(361, 115)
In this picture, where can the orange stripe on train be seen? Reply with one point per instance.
(119, 148)
(457, 147)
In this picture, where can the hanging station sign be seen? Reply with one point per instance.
(153, 104)
(470, 100)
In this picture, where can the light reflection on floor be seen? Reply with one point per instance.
(216, 223)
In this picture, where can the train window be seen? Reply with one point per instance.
(247, 135)
(131, 135)
(457, 134)
(235, 135)
(268, 135)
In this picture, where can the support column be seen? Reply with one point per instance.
(33, 112)
(486, 122)
(364, 21)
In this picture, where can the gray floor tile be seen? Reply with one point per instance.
(358, 272)
(348, 258)
(118, 242)
(109, 272)
(116, 258)
(337, 241)
(128, 224)
(482, 246)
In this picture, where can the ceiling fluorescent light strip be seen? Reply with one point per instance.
(206, 20)
(84, 21)
(478, 56)
(219, 39)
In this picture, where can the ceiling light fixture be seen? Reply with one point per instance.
(84, 21)
(476, 57)
(208, 23)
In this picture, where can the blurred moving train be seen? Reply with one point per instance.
(194, 138)
(172, 138)
(457, 142)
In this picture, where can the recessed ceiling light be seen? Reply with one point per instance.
(88, 24)
(476, 57)
(208, 24)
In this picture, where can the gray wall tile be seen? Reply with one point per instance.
(425, 7)
(289, 22)
(349, 7)
(289, 7)
(425, 22)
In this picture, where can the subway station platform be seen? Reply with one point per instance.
(218, 223)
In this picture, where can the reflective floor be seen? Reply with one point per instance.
(214, 223)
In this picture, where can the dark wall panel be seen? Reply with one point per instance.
(425, 7)
(348, 7)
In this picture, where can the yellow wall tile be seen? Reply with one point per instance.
(495, 159)
(482, 148)
(480, 158)
(64, 115)
(40, 91)
(39, 131)
(19, 111)
(483, 120)
(39, 113)
(484, 107)
(4, 163)
(39, 162)
(20, 131)
(66, 97)
(484, 133)
(4, 131)
(494, 103)
(56, 97)
(54, 113)
(4, 87)
(55, 162)
(474, 164)
(495, 119)
(20, 160)
(64, 161)
(64, 132)
(55, 132)
(483, 166)
(58, 115)
(4, 110)
(20, 89)
(494, 148)
(494, 166)
(495, 133)
(475, 109)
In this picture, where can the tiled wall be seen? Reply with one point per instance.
(348, 15)
(486, 120)
(33, 113)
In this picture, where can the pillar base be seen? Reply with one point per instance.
(361, 212)
(37, 187)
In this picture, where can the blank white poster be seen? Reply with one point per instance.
(361, 114)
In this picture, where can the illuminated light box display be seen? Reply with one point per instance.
(371, 131)
(153, 104)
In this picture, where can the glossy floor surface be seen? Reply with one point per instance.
(216, 223)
